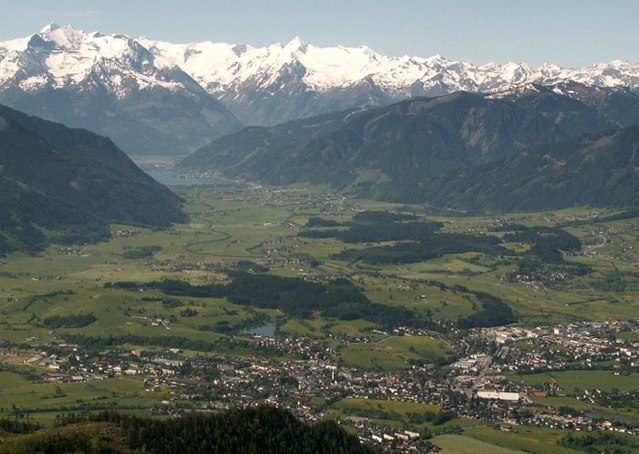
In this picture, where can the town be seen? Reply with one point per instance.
(486, 382)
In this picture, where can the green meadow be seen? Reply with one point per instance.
(459, 444)
(259, 227)
(230, 225)
(571, 380)
(522, 439)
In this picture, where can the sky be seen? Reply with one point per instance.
(570, 33)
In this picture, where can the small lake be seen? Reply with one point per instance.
(264, 330)
(170, 178)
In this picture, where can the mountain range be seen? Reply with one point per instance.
(67, 185)
(531, 147)
(154, 97)
(272, 84)
(112, 86)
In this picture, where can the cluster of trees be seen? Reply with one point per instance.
(28, 373)
(18, 426)
(371, 226)
(188, 312)
(383, 231)
(494, 312)
(44, 297)
(69, 321)
(259, 430)
(63, 443)
(250, 267)
(437, 419)
(616, 399)
(173, 287)
(599, 442)
(429, 248)
(300, 298)
(547, 242)
(183, 343)
(171, 303)
(417, 240)
(252, 430)
(544, 260)
(382, 216)
(613, 281)
(321, 222)
(142, 252)
(293, 296)
(225, 327)
(626, 214)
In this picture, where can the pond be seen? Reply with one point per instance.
(264, 330)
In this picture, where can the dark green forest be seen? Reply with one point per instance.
(67, 185)
(536, 151)
(293, 296)
(252, 430)
(416, 240)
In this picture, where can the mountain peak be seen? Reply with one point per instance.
(50, 28)
(246, 77)
(297, 44)
(65, 36)
(436, 57)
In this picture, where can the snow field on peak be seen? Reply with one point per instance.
(64, 56)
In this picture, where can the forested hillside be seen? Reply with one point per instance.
(252, 430)
(530, 149)
(66, 185)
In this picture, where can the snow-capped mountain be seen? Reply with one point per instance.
(158, 97)
(280, 82)
(225, 68)
(111, 85)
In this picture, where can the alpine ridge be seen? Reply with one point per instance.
(110, 85)
(156, 97)
(67, 185)
(503, 151)
(269, 85)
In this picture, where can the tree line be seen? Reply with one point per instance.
(262, 429)
(296, 297)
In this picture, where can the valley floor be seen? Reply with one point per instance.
(83, 328)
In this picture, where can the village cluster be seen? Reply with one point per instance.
(484, 383)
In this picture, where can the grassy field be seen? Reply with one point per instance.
(523, 438)
(228, 225)
(231, 225)
(371, 356)
(459, 444)
(394, 352)
(387, 413)
(402, 408)
(45, 400)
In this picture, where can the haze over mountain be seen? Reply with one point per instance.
(67, 185)
(155, 97)
(110, 85)
(453, 150)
